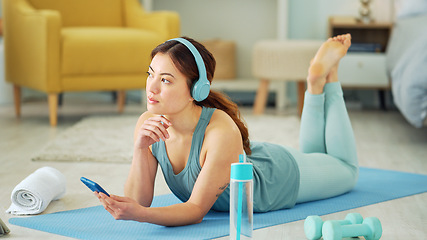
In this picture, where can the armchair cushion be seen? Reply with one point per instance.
(106, 50)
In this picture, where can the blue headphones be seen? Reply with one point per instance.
(201, 87)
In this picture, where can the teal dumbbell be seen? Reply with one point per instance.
(313, 224)
(370, 229)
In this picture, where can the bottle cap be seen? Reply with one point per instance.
(241, 171)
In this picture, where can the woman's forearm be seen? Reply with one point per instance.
(174, 215)
(140, 182)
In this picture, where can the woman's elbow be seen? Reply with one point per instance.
(199, 214)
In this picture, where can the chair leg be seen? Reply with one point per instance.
(53, 108)
(121, 99)
(301, 92)
(17, 100)
(261, 97)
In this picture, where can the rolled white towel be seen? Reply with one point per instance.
(35, 192)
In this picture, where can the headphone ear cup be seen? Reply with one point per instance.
(200, 90)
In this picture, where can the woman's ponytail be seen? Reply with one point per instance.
(221, 101)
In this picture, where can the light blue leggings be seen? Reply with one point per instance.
(328, 160)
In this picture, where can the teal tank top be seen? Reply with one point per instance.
(276, 174)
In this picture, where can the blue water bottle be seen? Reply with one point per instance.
(241, 200)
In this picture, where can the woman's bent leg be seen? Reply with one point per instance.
(312, 130)
(339, 136)
(324, 175)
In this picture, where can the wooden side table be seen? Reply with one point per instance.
(365, 66)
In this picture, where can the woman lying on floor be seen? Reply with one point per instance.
(195, 141)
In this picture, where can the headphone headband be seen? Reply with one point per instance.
(201, 88)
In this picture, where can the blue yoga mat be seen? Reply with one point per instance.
(374, 186)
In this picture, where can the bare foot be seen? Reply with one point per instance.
(326, 60)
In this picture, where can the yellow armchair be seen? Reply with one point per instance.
(56, 46)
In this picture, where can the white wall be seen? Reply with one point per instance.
(243, 21)
(308, 19)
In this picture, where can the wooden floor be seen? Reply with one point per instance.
(384, 140)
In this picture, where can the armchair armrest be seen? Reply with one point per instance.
(165, 23)
(29, 34)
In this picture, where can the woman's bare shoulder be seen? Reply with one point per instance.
(222, 123)
(222, 137)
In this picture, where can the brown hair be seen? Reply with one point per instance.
(184, 61)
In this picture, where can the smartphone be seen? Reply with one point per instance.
(93, 186)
